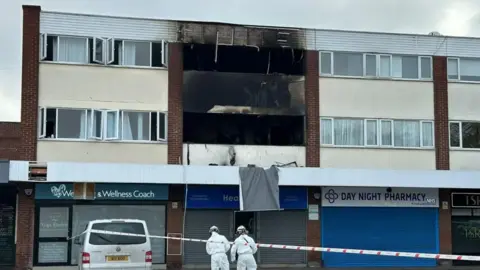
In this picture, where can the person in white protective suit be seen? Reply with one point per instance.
(217, 247)
(245, 247)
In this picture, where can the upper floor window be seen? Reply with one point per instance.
(463, 69)
(465, 134)
(106, 125)
(375, 65)
(104, 51)
(376, 132)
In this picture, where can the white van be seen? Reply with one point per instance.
(106, 251)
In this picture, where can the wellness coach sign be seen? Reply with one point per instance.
(379, 197)
(142, 192)
(227, 197)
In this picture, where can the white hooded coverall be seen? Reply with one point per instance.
(245, 247)
(217, 247)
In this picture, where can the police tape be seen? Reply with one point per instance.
(312, 249)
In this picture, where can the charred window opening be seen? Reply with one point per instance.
(243, 129)
(243, 59)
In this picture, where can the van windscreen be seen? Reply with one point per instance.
(111, 239)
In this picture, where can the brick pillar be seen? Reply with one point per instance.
(312, 99)
(175, 103)
(442, 147)
(312, 139)
(175, 225)
(28, 127)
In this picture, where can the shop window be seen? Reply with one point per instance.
(466, 234)
(154, 216)
(53, 223)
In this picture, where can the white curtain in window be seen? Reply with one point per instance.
(386, 129)
(129, 51)
(126, 127)
(406, 133)
(427, 134)
(111, 124)
(371, 132)
(397, 66)
(72, 50)
(385, 66)
(452, 68)
(83, 125)
(326, 131)
(348, 132)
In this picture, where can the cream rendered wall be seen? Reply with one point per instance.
(89, 86)
(463, 104)
(362, 98)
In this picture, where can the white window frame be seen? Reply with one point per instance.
(56, 124)
(42, 122)
(458, 68)
(420, 68)
(332, 134)
(380, 67)
(149, 125)
(459, 134)
(433, 134)
(105, 126)
(164, 53)
(92, 122)
(110, 48)
(122, 63)
(87, 51)
(331, 63)
(365, 65)
(365, 132)
(392, 136)
(43, 46)
(94, 56)
(151, 53)
(158, 127)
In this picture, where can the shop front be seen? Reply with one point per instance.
(8, 202)
(219, 206)
(466, 225)
(59, 216)
(390, 219)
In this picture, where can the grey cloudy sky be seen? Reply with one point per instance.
(449, 17)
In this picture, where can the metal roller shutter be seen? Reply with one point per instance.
(197, 224)
(286, 228)
(379, 228)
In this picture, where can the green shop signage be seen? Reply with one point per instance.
(64, 191)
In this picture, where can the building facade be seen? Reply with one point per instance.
(386, 125)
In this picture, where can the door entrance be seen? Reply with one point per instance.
(247, 219)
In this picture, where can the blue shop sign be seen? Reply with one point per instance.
(227, 197)
(142, 192)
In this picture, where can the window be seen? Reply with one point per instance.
(470, 70)
(377, 132)
(53, 235)
(103, 51)
(64, 49)
(100, 124)
(453, 68)
(63, 123)
(348, 132)
(121, 227)
(375, 65)
(326, 63)
(465, 135)
(348, 64)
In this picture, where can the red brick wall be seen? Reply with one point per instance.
(175, 105)
(442, 151)
(29, 112)
(10, 141)
(312, 93)
(175, 147)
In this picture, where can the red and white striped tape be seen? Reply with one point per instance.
(317, 249)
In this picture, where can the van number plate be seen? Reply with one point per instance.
(117, 258)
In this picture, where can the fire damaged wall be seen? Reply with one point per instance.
(221, 92)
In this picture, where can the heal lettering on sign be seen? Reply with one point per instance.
(227, 198)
